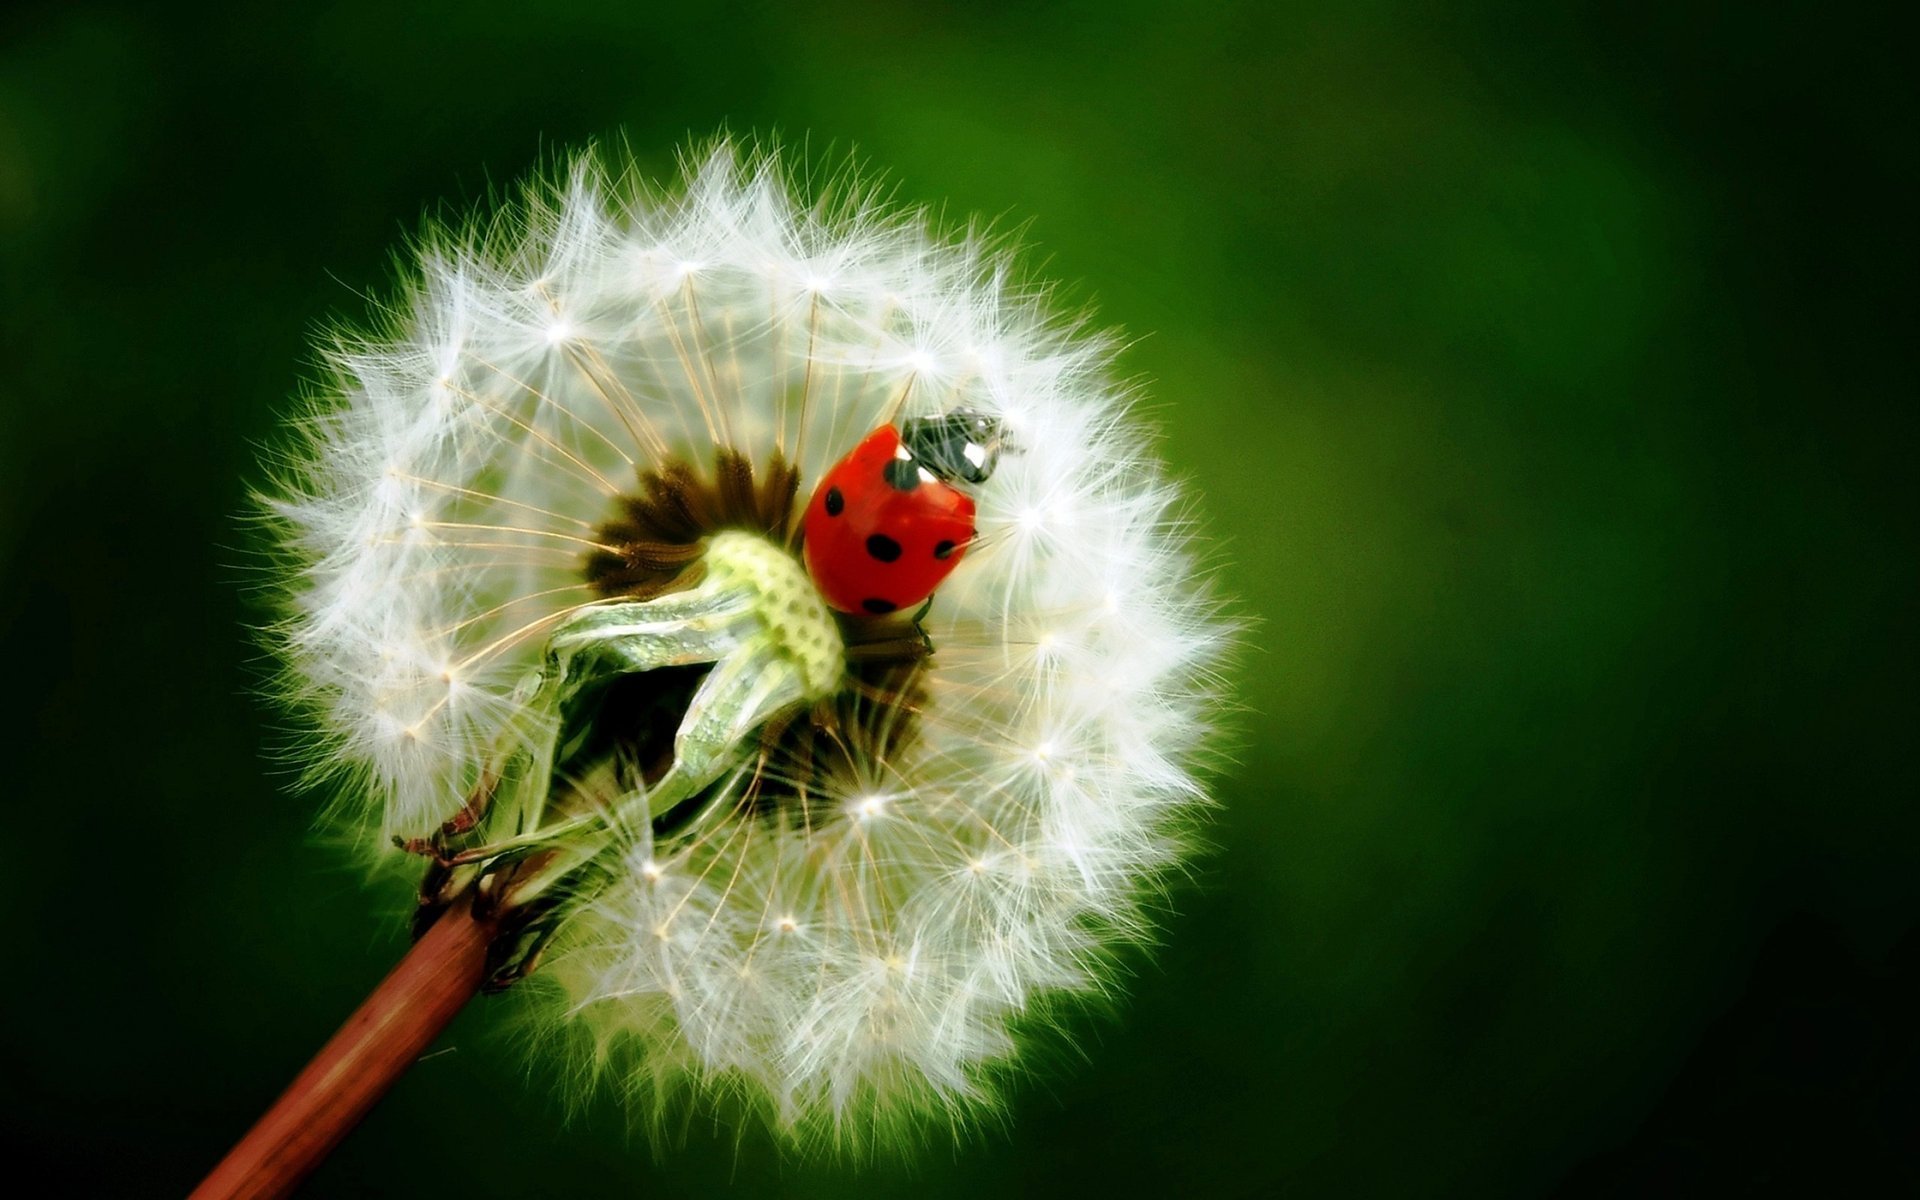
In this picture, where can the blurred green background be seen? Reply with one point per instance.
(1546, 381)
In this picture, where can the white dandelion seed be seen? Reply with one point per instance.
(549, 512)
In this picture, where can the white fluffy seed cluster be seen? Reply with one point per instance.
(865, 965)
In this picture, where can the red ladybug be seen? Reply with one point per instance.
(887, 522)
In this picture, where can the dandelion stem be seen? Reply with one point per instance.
(384, 1037)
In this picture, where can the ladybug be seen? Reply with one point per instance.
(889, 521)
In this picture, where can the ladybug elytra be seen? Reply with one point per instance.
(887, 523)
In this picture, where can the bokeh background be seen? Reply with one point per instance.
(1545, 375)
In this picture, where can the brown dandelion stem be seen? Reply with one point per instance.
(384, 1037)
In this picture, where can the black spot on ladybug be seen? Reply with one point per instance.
(883, 547)
(903, 474)
(943, 549)
(835, 502)
(878, 607)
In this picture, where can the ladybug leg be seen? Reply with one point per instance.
(926, 639)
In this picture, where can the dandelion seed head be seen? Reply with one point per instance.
(855, 958)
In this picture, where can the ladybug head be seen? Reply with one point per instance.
(959, 446)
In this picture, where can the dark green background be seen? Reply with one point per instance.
(1546, 382)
